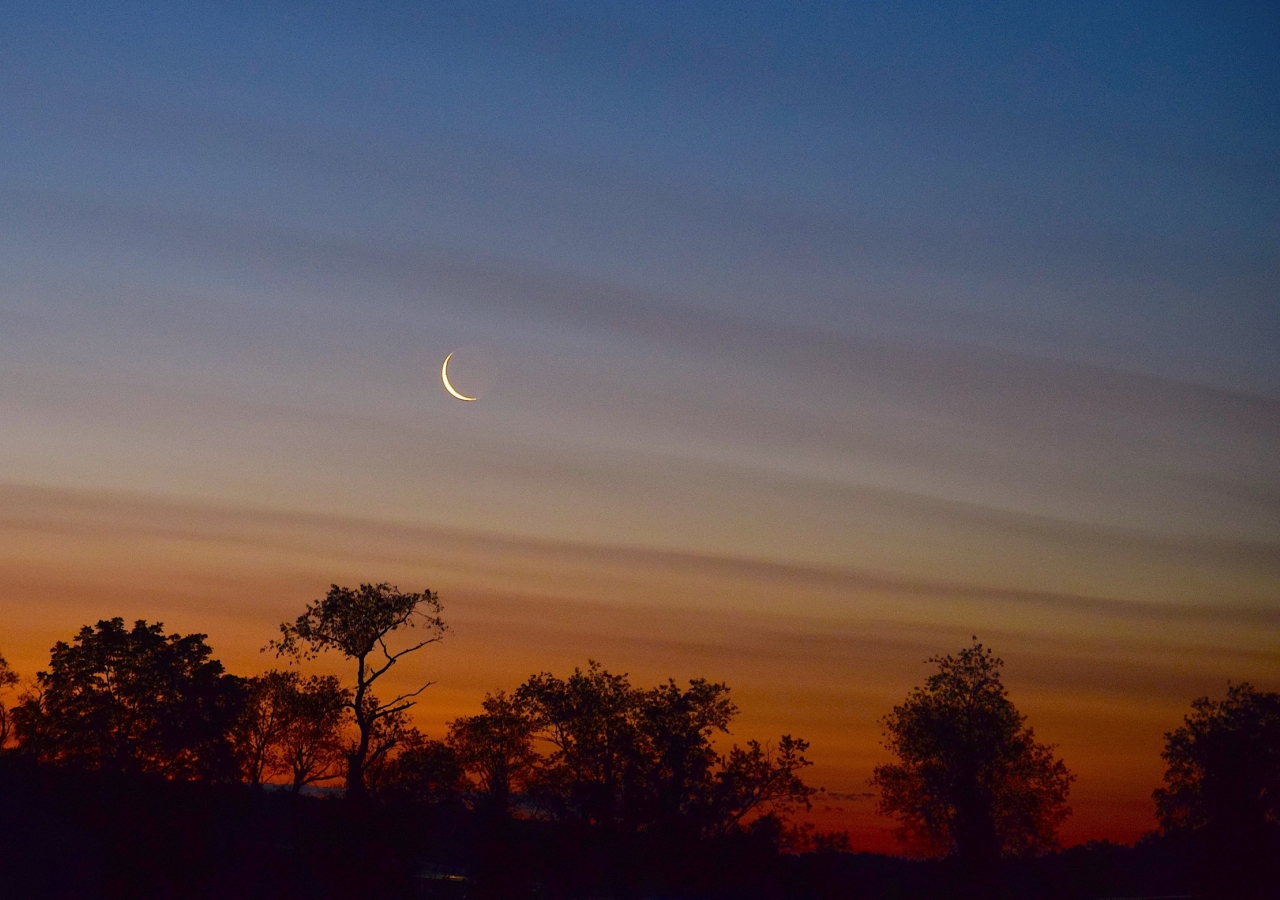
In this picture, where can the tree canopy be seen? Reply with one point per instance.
(495, 748)
(630, 759)
(361, 624)
(8, 678)
(292, 728)
(971, 779)
(133, 699)
(1221, 798)
(1224, 765)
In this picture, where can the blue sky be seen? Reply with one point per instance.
(897, 248)
(1093, 183)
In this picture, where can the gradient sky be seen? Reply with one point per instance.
(814, 338)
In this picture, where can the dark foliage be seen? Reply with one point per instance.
(133, 700)
(495, 750)
(627, 760)
(98, 835)
(142, 770)
(291, 728)
(421, 771)
(8, 678)
(1221, 798)
(360, 624)
(971, 780)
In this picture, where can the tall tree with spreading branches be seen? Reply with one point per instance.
(371, 626)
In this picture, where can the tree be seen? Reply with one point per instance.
(1222, 787)
(760, 779)
(291, 727)
(8, 678)
(496, 749)
(590, 722)
(133, 700)
(261, 724)
(971, 780)
(421, 771)
(678, 726)
(643, 760)
(1224, 765)
(360, 624)
(311, 747)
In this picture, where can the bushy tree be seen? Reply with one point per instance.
(971, 779)
(677, 726)
(760, 779)
(1224, 765)
(361, 625)
(588, 720)
(1222, 791)
(133, 700)
(8, 678)
(495, 748)
(291, 728)
(644, 760)
(421, 770)
(258, 730)
(312, 746)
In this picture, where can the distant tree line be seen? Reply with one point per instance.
(596, 755)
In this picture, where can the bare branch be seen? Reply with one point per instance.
(402, 697)
(393, 657)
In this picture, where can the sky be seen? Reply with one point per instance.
(811, 339)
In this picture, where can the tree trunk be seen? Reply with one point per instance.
(356, 788)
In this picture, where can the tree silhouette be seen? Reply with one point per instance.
(8, 678)
(311, 747)
(133, 700)
(261, 724)
(971, 779)
(590, 722)
(291, 727)
(421, 771)
(1222, 787)
(760, 778)
(496, 749)
(643, 761)
(1224, 765)
(388, 734)
(360, 624)
(678, 725)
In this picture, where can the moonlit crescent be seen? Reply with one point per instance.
(444, 376)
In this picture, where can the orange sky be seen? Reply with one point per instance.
(817, 652)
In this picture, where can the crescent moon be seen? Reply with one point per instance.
(444, 376)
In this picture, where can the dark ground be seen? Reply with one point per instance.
(84, 835)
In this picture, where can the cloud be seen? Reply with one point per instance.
(508, 562)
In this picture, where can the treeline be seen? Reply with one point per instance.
(590, 748)
(318, 785)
